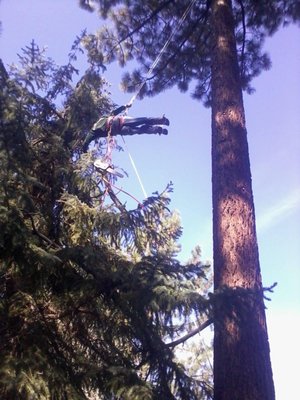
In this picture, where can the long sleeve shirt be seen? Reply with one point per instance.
(102, 121)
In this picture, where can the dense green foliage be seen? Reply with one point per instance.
(139, 30)
(90, 292)
(215, 51)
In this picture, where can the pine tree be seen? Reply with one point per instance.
(216, 47)
(91, 294)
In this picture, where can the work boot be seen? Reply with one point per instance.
(163, 132)
(165, 121)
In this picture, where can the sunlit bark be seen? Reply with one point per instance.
(242, 368)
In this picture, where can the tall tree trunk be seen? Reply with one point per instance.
(242, 367)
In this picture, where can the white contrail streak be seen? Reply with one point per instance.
(279, 210)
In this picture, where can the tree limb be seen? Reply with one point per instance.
(190, 334)
(43, 237)
(244, 36)
(185, 38)
(145, 21)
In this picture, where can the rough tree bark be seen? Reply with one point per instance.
(242, 367)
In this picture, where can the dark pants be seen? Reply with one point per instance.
(129, 121)
(139, 130)
(118, 124)
(127, 126)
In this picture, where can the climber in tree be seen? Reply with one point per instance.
(124, 125)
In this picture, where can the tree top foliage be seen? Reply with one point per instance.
(90, 292)
(138, 31)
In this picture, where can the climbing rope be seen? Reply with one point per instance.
(135, 169)
(110, 140)
(163, 49)
(150, 71)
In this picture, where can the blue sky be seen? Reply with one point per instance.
(183, 157)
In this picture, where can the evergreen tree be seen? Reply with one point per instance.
(217, 46)
(196, 353)
(91, 294)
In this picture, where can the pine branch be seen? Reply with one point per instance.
(144, 22)
(244, 36)
(43, 237)
(191, 334)
(188, 34)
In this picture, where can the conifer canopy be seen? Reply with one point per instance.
(91, 293)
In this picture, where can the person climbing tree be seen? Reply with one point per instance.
(123, 125)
